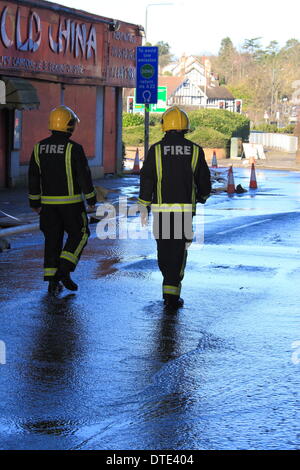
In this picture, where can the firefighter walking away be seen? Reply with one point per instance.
(59, 176)
(174, 177)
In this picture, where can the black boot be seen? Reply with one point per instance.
(54, 287)
(173, 302)
(65, 278)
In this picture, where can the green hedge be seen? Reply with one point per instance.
(228, 123)
(130, 119)
(134, 136)
(274, 129)
(209, 138)
(155, 118)
(211, 128)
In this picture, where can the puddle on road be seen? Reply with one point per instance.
(243, 267)
(294, 274)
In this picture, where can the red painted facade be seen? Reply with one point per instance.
(2, 150)
(110, 129)
(70, 57)
(35, 121)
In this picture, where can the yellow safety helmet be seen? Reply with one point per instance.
(63, 119)
(175, 119)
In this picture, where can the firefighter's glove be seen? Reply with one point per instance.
(144, 215)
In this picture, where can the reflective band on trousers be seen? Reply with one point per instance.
(69, 257)
(61, 199)
(172, 290)
(73, 257)
(84, 236)
(50, 271)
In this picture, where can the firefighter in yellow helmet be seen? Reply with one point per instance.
(59, 176)
(174, 177)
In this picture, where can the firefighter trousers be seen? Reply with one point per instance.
(55, 221)
(173, 236)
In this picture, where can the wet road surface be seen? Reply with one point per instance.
(108, 368)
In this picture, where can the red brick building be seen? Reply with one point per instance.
(52, 55)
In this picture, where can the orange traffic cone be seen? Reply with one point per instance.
(230, 184)
(253, 183)
(136, 165)
(214, 163)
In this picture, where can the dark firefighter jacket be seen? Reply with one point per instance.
(59, 172)
(175, 175)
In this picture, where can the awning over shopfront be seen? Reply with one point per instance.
(20, 94)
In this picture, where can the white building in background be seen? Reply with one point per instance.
(183, 91)
(193, 84)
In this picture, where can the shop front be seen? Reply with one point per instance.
(52, 55)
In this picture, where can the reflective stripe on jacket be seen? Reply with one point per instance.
(59, 173)
(175, 175)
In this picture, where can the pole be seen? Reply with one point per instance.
(146, 131)
(146, 23)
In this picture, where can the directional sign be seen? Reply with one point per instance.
(146, 74)
(159, 107)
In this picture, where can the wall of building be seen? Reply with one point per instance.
(70, 58)
(110, 129)
(2, 148)
(82, 99)
(35, 121)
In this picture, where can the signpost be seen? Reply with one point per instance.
(146, 83)
(159, 107)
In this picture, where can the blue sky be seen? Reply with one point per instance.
(195, 27)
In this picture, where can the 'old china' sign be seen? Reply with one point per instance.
(55, 44)
(71, 36)
(42, 41)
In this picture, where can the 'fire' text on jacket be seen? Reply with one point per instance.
(177, 150)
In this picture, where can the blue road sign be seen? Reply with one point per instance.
(146, 74)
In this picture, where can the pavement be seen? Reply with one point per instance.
(15, 203)
(275, 160)
(107, 368)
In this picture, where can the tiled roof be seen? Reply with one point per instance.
(172, 83)
(218, 92)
